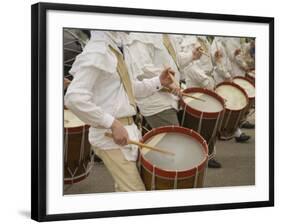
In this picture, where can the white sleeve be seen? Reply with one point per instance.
(146, 87)
(184, 59)
(79, 98)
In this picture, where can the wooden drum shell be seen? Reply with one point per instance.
(77, 154)
(210, 121)
(232, 118)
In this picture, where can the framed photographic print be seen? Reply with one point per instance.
(139, 111)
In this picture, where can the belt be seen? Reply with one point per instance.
(126, 120)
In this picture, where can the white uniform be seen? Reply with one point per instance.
(97, 96)
(200, 72)
(237, 62)
(146, 57)
(223, 67)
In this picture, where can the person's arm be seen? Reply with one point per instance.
(79, 99)
(147, 87)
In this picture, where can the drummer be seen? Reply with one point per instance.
(229, 57)
(102, 95)
(146, 56)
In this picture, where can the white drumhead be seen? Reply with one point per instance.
(246, 85)
(235, 99)
(71, 121)
(188, 152)
(211, 104)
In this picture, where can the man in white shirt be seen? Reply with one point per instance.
(102, 95)
(146, 56)
(199, 72)
(220, 60)
(234, 52)
(229, 55)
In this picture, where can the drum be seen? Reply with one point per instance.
(184, 169)
(236, 104)
(251, 75)
(249, 88)
(203, 116)
(78, 156)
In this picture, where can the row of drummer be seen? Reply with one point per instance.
(118, 71)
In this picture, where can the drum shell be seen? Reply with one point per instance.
(207, 127)
(162, 183)
(230, 122)
(166, 179)
(232, 118)
(76, 146)
(209, 120)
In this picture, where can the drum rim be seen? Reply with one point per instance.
(75, 129)
(198, 112)
(240, 88)
(248, 80)
(175, 173)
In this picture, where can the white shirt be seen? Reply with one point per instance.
(97, 96)
(223, 67)
(146, 56)
(199, 73)
(231, 44)
(183, 52)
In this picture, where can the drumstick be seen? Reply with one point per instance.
(177, 85)
(142, 145)
(185, 94)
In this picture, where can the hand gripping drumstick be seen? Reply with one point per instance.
(142, 145)
(177, 85)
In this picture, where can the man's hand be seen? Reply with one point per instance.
(165, 78)
(196, 53)
(120, 134)
(177, 92)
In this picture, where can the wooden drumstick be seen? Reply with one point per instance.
(107, 134)
(177, 85)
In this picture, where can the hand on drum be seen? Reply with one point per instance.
(165, 78)
(120, 134)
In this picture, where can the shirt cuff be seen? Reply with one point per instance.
(107, 121)
(156, 84)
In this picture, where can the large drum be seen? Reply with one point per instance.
(236, 104)
(249, 88)
(203, 116)
(77, 149)
(184, 169)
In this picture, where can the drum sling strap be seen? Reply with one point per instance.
(124, 76)
(168, 44)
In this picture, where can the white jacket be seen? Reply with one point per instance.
(222, 69)
(146, 57)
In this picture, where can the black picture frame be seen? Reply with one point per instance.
(39, 106)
